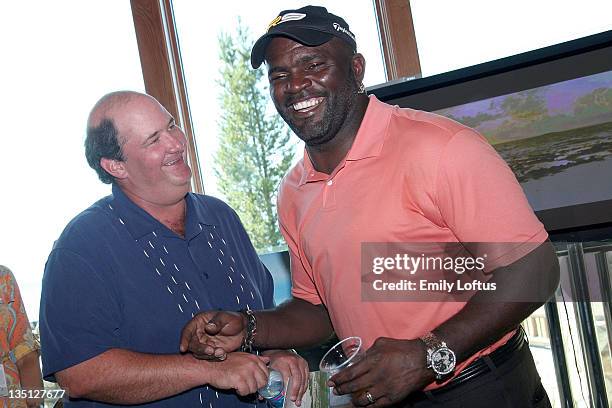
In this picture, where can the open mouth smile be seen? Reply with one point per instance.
(307, 105)
(173, 162)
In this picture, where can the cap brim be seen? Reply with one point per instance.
(306, 36)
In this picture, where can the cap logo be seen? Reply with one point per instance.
(338, 27)
(286, 17)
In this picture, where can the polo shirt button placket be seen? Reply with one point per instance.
(329, 196)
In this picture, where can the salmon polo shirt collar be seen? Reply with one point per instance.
(368, 141)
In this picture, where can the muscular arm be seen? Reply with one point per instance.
(393, 368)
(125, 377)
(294, 324)
(490, 314)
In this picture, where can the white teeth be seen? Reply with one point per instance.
(307, 104)
(172, 162)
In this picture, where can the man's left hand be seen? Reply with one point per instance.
(390, 370)
(289, 364)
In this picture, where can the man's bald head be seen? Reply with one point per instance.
(103, 109)
(103, 139)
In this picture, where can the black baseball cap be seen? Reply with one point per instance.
(310, 25)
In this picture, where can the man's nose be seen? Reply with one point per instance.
(297, 83)
(176, 140)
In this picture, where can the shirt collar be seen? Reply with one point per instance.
(368, 141)
(140, 223)
(372, 131)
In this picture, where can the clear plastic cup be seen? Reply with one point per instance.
(344, 354)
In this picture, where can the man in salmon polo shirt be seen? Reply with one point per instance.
(372, 172)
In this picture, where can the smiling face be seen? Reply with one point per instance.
(313, 88)
(154, 147)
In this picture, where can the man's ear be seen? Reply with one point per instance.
(358, 66)
(115, 168)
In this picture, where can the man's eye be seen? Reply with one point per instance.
(277, 77)
(172, 126)
(314, 65)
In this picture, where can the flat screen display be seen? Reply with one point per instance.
(556, 138)
(547, 112)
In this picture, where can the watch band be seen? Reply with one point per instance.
(249, 336)
(432, 341)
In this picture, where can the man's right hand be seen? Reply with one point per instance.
(211, 335)
(243, 372)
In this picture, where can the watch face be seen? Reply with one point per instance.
(443, 361)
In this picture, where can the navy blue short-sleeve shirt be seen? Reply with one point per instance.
(118, 278)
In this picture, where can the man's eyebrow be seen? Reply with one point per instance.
(154, 134)
(308, 57)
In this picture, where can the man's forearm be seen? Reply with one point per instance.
(294, 324)
(126, 377)
(490, 315)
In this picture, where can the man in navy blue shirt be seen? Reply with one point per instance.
(130, 271)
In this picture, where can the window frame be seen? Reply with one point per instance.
(398, 39)
(162, 69)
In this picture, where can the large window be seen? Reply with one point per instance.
(227, 156)
(58, 59)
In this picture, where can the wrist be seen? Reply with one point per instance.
(249, 324)
(197, 372)
(440, 359)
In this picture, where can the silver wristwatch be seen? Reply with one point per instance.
(440, 358)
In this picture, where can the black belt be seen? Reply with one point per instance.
(479, 366)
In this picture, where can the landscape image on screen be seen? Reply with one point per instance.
(556, 138)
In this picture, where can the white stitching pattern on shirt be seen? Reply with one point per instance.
(187, 285)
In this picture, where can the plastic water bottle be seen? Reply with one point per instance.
(274, 391)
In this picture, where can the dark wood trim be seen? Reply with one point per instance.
(181, 89)
(398, 39)
(153, 49)
(162, 68)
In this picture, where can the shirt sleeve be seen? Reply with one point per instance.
(79, 316)
(302, 283)
(481, 201)
(19, 333)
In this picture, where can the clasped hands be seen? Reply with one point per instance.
(390, 370)
(217, 336)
